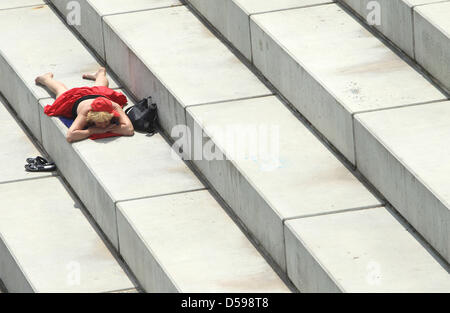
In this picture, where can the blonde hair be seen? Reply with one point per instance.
(100, 117)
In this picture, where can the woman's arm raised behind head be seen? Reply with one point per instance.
(77, 132)
(125, 126)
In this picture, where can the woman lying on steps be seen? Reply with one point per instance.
(97, 111)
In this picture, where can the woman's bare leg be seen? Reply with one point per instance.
(99, 77)
(55, 86)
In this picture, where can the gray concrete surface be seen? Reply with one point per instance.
(395, 19)
(48, 245)
(11, 4)
(432, 40)
(3, 288)
(187, 243)
(37, 214)
(115, 169)
(231, 17)
(164, 177)
(355, 252)
(303, 179)
(17, 147)
(292, 47)
(106, 171)
(92, 12)
(35, 54)
(150, 71)
(419, 27)
(402, 153)
(127, 181)
(116, 181)
(187, 66)
(330, 67)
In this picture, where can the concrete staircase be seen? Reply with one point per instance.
(157, 214)
(365, 99)
(309, 210)
(420, 28)
(47, 243)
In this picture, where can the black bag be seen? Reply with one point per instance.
(144, 116)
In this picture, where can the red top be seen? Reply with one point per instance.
(64, 103)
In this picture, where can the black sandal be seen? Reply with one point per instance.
(48, 167)
(37, 160)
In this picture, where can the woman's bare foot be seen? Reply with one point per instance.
(41, 79)
(101, 71)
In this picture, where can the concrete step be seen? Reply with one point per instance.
(183, 64)
(46, 242)
(432, 40)
(173, 73)
(115, 170)
(156, 175)
(302, 63)
(18, 147)
(191, 238)
(361, 251)
(231, 18)
(421, 28)
(394, 19)
(48, 245)
(10, 4)
(305, 180)
(106, 172)
(122, 39)
(403, 153)
(331, 69)
(87, 19)
(15, 58)
(307, 172)
(338, 65)
(313, 180)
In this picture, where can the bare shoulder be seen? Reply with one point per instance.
(84, 107)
